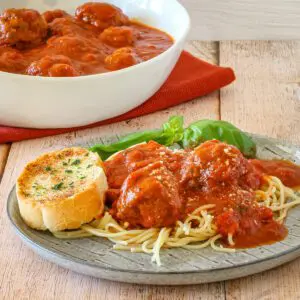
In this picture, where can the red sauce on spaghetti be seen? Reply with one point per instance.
(152, 186)
(99, 38)
(286, 171)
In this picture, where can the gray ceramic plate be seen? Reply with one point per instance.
(95, 256)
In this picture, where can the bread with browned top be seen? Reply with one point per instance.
(62, 189)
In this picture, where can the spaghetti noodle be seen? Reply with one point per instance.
(197, 231)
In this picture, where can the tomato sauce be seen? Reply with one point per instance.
(286, 171)
(100, 38)
(152, 186)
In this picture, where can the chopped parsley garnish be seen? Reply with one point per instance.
(64, 163)
(48, 168)
(76, 162)
(71, 184)
(37, 186)
(82, 177)
(58, 186)
(69, 171)
(87, 154)
(89, 166)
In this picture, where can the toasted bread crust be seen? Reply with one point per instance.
(62, 190)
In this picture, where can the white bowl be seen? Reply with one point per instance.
(42, 102)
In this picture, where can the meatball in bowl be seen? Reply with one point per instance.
(22, 27)
(77, 62)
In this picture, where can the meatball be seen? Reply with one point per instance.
(22, 28)
(121, 58)
(101, 15)
(72, 46)
(52, 66)
(65, 26)
(51, 15)
(118, 36)
(214, 162)
(11, 60)
(149, 198)
(118, 167)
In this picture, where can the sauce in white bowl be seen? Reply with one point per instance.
(41, 102)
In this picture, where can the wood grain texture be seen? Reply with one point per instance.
(264, 100)
(4, 151)
(244, 20)
(24, 275)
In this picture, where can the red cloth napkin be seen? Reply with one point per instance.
(191, 78)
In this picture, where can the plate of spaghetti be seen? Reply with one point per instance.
(168, 206)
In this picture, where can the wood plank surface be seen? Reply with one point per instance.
(4, 150)
(244, 20)
(264, 100)
(24, 275)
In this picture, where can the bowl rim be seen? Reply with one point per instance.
(113, 73)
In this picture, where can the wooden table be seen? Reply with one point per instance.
(264, 99)
(215, 20)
